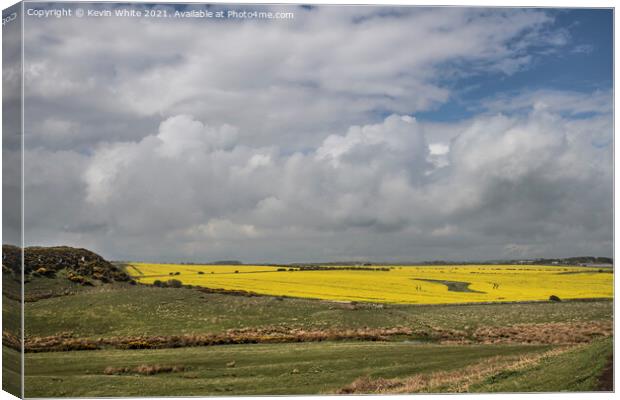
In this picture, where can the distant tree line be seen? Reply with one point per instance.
(330, 268)
(574, 260)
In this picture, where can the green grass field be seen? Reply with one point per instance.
(140, 310)
(304, 368)
(574, 371)
(11, 371)
(11, 324)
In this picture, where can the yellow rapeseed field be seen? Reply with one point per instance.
(401, 284)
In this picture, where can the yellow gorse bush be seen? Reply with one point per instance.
(401, 284)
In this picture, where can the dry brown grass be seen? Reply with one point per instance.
(540, 333)
(66, 342)
(457, 381)
(11, 340)
(548, 333)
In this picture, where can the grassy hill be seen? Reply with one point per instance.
(147, 310)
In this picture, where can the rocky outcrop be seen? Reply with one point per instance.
(79, 265)
(11, 259)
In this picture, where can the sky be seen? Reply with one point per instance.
(347, 133)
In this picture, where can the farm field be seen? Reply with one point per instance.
(577, 370)
(399, 284)
(305, 368)
(138, 338)
(267, 369)
(430, 339)
(11, 370)
(114, 311)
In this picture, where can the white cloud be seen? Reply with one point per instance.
(558, 101)
(298, 140)
(182, 135)
(583, 48)
(509, 178)
(283, 82)
(222, 229)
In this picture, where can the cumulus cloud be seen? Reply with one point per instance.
(509, 179)
(278, 81)
(293, 144)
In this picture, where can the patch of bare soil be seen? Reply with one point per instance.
(606, 380)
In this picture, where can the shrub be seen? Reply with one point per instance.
(144, 369)
(554, 298)
(236, 271)
(79, 279)
(138, 345)
(200, 273)
(174, 283)
(115, 371)
(78, 346)
(157, 283)
(45, 272)
(157, 369)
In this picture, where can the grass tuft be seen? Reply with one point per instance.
(144, 369)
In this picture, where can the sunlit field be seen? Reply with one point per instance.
(399, 284)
